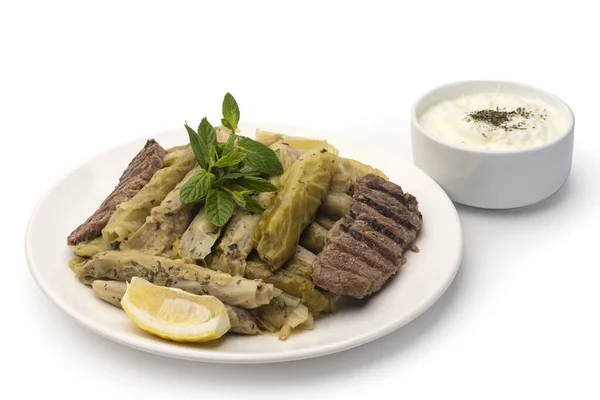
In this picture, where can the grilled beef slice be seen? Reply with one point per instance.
(138, 173)
(364, 248)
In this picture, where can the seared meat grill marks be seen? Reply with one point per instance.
(139, 171)
(365, 247)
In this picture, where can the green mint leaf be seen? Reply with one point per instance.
(229, 145)
(252, 205)
(230, 160)
(201, 156)
(207, 137)
(212, 156)
(256, 184)
(231, 113)
(195, 189)
(248, 170)
(260, 157)
(218, 207)
(238, 197)
(228, 177)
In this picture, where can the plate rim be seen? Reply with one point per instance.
(221, 357)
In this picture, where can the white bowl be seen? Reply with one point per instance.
(493, 179)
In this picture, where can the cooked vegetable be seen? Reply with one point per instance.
(293, 278)
(296, 142)
(302, 188)
(283, 314)
(110, 291)
(335, 205)
(91, 247)
(303, 255)
(346, 171)
(131, 215)
(299, 315)
(236, 243)
(166, 222)
(199, 238)
(123, 265)
(113, 291)
(176, 252)
(286, 155)
(223, 133)
(325, 222)
(242, 321)
(173, 153)
(313, 237)
(76, 262)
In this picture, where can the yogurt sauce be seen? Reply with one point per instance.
(494, 121)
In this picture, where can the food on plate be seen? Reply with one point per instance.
(284, 314)
(173, 313)
(346, 172)
(122, 265)
(237, 240)
(300, 144)
(247, 236)
(165, 223)
(131, 214)
(364, 249)
(494, 121)
(236, 244)
(325, 222)
(336, 204)
(313, 237)
(293, 278)
(302, 188)
(90, 247)
(137, 174)
(199, 238)
(112, 292)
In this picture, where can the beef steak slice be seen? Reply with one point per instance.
(137, 174)
(364, 248)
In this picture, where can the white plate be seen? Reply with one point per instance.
(418, 285)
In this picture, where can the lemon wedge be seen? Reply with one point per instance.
(174, 314)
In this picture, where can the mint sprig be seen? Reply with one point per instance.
(196, 188)
(231, 113)
(231, 172)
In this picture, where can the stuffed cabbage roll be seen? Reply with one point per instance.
(325, 222)
(287, 157)
(162, 271)
(293, 278)
(199, 238)
(301, 190)
(296, 142)
(313, 238)
(236, 243)
(335, 205)
(91, 247)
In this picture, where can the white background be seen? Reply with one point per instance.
(521, 319)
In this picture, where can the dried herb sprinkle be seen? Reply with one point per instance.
(501, 118)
